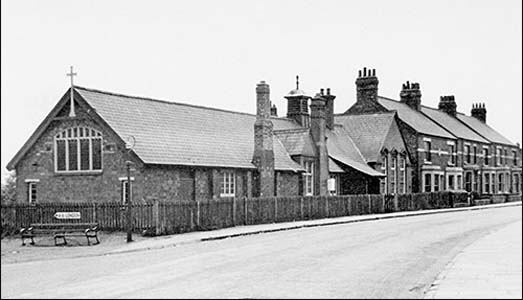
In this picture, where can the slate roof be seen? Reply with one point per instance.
(483, 129)
(343, 150)
(453, 125)
(415, 119)
(368, 132)
(297, 141)
(334, 167)
(181, 134)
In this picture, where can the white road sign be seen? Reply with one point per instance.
(67, 215)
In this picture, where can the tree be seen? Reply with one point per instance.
(9, 189)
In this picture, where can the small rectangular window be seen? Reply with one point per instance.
(428, 148)
(485, 156)
(428, 183)
(31, 186)
(475, 155)
(451, 182)
(73, 154)
(467, 154)
(125, 191)
(309, 178)
(227, 188)
(486, 182)
(436, 183)
(452, 155)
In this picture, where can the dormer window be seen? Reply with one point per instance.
(78, 149)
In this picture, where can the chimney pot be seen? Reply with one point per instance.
(328, 91)
(321, 91)
(364, 71)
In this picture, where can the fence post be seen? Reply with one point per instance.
(94, 213)
(244, 210)
(233, 211)
(395, 202)
(156, 216)
(275, 209)
(301, 207)
(370, 204)
(326, 206)
(198, 214)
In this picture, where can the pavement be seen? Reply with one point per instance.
(489, 268)
(399, 257)
(202, 236)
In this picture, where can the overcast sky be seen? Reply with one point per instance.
(213, 53)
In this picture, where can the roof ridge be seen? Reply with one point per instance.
(291, 130)
(161, 101)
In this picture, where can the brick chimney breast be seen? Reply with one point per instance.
(479, 112)
(318, 133)
(411, 95)
(329, 110)
(263, 156)
(448, 105)
(367, 86)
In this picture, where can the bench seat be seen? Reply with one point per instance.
(60, 231)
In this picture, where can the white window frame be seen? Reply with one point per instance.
(228, 184)
(393, 178)
(123, 188)
(431, 183)
(385, 167)
(67, 135)
(402, 169)
(452, 154)
(31, 193)
(308, 177)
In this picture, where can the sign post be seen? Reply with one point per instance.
(129, 200)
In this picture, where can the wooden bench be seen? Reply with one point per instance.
(61, 231)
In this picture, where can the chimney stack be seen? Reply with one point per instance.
(479, 112)
(411, 95)
(263, 156)
(318, 132)
(448, 105)
(367, 86)
(329, 113)
(274, 111)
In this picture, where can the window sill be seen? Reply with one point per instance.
(77, 173)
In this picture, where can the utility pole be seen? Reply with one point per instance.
(129, 202)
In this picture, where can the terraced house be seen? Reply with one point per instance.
(448, 150)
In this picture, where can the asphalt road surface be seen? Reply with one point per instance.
(392, 258)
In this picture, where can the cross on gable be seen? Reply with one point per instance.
(72, 74)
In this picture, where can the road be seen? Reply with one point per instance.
(392, 258)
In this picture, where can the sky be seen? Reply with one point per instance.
(212, 53)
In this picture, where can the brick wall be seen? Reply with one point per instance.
(287, 184)
(38, 163)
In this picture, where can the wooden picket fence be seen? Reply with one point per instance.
(167, 217)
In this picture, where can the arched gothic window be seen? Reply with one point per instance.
(78, 149)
